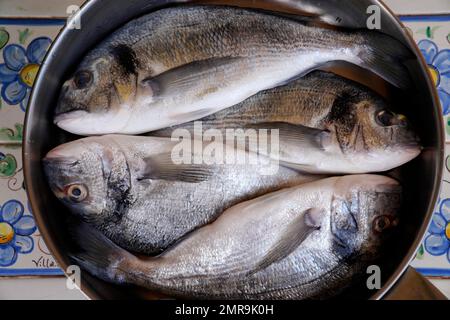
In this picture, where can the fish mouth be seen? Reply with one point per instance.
(85, 123)
(73, 121)
(413, 147)
(68, 116)
(68, 107)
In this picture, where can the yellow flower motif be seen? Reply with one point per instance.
(28, 74)
(447, 231)
(434, 74)
(19, 70)
(6, 233)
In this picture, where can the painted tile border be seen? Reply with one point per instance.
(435, 273)
(440, 272)
(425, 18)
(27, 269)
(5, 272)
(32, 21)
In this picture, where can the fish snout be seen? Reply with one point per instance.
(66, 153)
(68, 104)
(61, 161)
(72, 121)
(412, 144)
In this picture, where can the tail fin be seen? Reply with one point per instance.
(100, 256)
(385, 56)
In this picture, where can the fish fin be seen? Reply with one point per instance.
(385, 56)
(196, 114)
(177, 79)
(303, 136)
(300, 75)
(306, 168)
(292, 237)
(99, 255)
(162, 167)
(332, 12)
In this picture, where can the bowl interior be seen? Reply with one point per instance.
(421, 177)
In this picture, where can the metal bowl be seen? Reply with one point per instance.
(421, 178)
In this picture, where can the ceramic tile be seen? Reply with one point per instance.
(22, 250)
(433, 258)
(432, 34)
(23, 44)
(418, 6)
(58, 8)
(37, 8)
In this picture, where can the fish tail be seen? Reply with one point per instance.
(100, 256)
(386, 57)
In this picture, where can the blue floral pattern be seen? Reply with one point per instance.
(437, 243)
(15, 232)
(439, 66)
(19, 70)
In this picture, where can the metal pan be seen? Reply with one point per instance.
(421, 178)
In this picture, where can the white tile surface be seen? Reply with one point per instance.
(37, 8)
(46, 8)
(55, 289)
(419, 6)
(443, 285)
(38, 289)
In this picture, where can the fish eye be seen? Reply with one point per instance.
(77, 192)
(82, 79)
(385, 118)
(382, 223)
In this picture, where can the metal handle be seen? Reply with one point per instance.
(413, 286)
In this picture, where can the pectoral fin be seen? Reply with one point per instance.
(293, 236)
(298, 167)
(177, 80)
(162, 167)
(302, 136)
(196, 114)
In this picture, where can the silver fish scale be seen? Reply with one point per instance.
(306, 101)
(219, 260)
(156, 34)
(164, 211)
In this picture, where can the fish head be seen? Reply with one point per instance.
(96, 98)
(371, 137)
(86, 177)
(364, 213)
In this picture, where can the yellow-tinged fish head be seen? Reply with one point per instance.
(97, 98)
(365, 211)
(82, 175)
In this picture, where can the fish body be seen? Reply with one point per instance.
(183, 63)
(326, 124)
(131, 189)
(331, 12)
(302, 242)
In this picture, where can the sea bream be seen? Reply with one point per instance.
(183, 63)
(141, 195)
(325, 123)
(307, 241)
